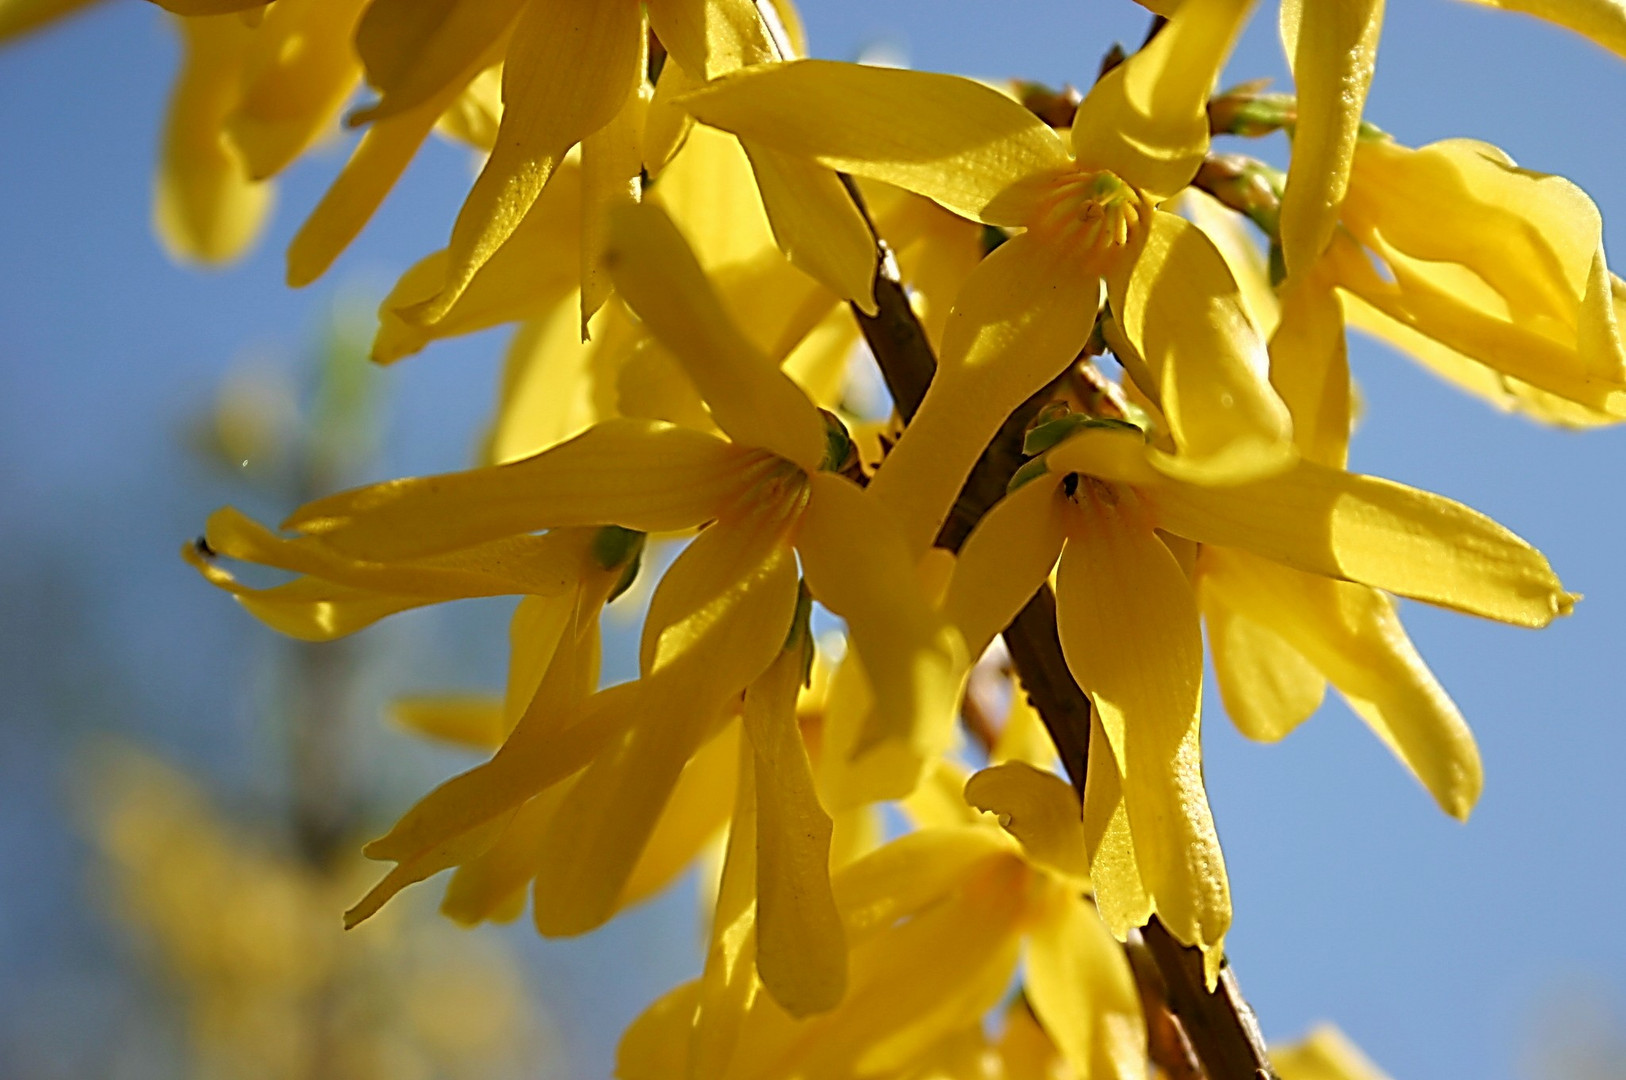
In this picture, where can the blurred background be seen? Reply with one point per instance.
(181, 792)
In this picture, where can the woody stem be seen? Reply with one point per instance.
(1220, 1025)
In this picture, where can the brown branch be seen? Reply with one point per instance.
(1221, 1027)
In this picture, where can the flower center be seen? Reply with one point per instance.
(1094, 213)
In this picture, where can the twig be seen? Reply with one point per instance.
(1221, 1026)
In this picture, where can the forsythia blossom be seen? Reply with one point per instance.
(692, 228)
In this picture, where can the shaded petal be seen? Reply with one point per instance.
(1334, 47)
(206, 206)
(471, 721)
(727, 981)
(1129, 629)
(640, 474)
(858, 566)
(1021, 319)
(1309, 368)
(415, 51)
(1353, 636)
(1081, 988)
(801, 944)
(492, 884)
(1267, 685)
(705, 655)
(1327, 1054)
(1146, 120)
(1040, 809)
(710, 37)
(816, 223)
(1120, 893)
(299, 73)
(751, 399)
(698, 809)
(570, 65)
(523, 280)
(1181, 310)
(953, 140)
(1004, 561)
(612, 161)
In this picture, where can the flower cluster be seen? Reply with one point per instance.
(692, 228)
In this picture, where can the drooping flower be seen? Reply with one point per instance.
(1128, 619)
(1088, 211)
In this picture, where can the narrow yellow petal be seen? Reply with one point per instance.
(1080, 986)
(1335, 50)
(1146, 120)
(1180, 308)
(857, 565)
(1238, 242)
(611, 159)
(1309, 367)
(1004, 561)
(206, 207)
(414, 51)
(1040, 809)
(639, 474)
(816, 223)
(555, 385)
(727, 982)
(473, 721)
(570, 66)
(749, 396)
(1327, 1054)
(694, 815)
(1354, 638)
(711, 37)
(1120, 893)
(1021, 319)
(701, 662)
(299, 73)
(668, 125)
(524, 279)
(710, 192)
(801, 944)
(1267, 685)
(310, 609)
(1604, 21)
(1129, 629)
(487, 886)
(953, 140)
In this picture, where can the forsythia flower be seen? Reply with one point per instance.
(1089, 214)
(1129, 627)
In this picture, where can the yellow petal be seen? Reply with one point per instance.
(1327, 1054)
(208, 7)
(1120, 893)
(726, 984)
(857, 565)
(1237, 241)
(1309, 367)
(612, 157)
(711, 194)
(570, 65)
(1129, 629)
(206, 207)
(555, 385)
(696, 812)
(1038, 808)
(801, 945)
(299, 73)
(642, 475)
(473, 721)
(1146, 120)
(1080, 986)
(668, 125)
(487, 886)
(311, 609)
(1180, 308)
(815, 222)
(1004, 561)
(950, 139)
(524, 279)
(749, 396)
(1335, 49)
(710, 37)
(1604, 21)
(1354, 638)
(720, 614)
(1267, 685)
(414, 51)
(1022, 318)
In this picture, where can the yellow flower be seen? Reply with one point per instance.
(1325, 1054)
(937, 922)
(1129, 627)
(1088, 211)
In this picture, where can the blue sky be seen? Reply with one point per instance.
(1439, 947)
